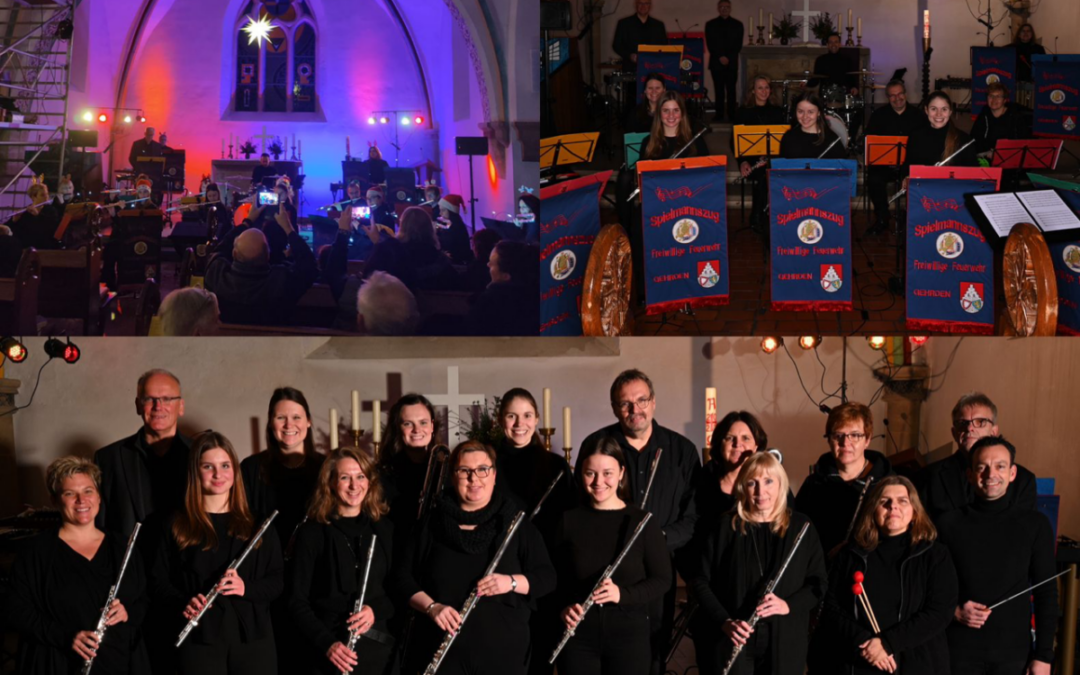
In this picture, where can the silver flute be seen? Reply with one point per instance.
(470, 602)
(102, 626)
(678, 154)
(212, 596)
(943, 162)
(652, 476)
(589, 602)
(354, 635)
(547, 493)
(768, 589)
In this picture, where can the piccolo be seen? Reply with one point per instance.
(470, 602)
(943, 162)
(212, 596)
(338, 205)
(192, 205)
(768, 589)
(546, 494)
(354, 635)
(675, 156)
(652, 476)
(589, 602)
(102, 625)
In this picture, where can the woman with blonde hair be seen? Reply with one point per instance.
(738, 559)
(671, 130)
(61, 580)
(330, 557)
(211, 531)
(910, 581)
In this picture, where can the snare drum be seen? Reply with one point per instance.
(838, 126)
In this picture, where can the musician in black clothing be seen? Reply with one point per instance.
(61, 580)
(36, 226)
(446, 560)
(376, 166)
(145, 147)
(1020, 543)
(724, 39)
(218, 217)
(909, 580)
(328, 567)
(741, 553)
(381, 211)
(736, 437)
(835, 67)
(234, 636)
(896, 119)
(671, 130)
(264, 170)
(758, 109)
(810, 137)
(613, 638)
(639, 29)
(999, 118)
(640, 121)
(411, 432)
(1026, 47)
(939, 140)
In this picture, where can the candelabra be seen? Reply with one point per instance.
(850, 42)
(357, 434)
(375, 445)
(761, 35)
(546, 433)
(230, 151)
(566, 451)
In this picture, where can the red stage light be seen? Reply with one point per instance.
(67, 351)
(918, 340)
(493, 176)
(14, 350)
(103, 118)
(419, 120)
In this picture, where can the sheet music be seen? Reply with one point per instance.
(1050, 210)
(1003, 211)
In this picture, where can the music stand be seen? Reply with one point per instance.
(751, 140)
(887, 152)
(1041, 154)
(567, 149)
(632, 148)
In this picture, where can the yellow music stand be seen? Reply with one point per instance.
(759, 140)
(568, 149)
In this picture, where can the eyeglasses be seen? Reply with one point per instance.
(730, 440)
(840, 438)
(639, 404)
(480, 472)
(163, 401)
(977, 422)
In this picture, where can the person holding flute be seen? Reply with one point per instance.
(738, 558)
(194, 553)
(328, 570)
(61, 580)
(613, 638)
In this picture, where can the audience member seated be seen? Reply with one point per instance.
(510, 305)
(477, 273)
(187, 312)
(414, 255)
(36, 226)
(250, 290)
(385, 306)
(453, 235)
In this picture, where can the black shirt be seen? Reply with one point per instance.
(944, 486)
(797, 144)
(272, 486)
(885, 122)
(37, 230)
(988, 130)
(758, 115)
(631, 32)
(669, 145)
(926, 147)
(260, 172)
(830, 501)
(835, 68)
(144, 148)
(723, 37)
(526, 473)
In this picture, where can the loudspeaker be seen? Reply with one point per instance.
(82, 139)
(472, 145)
(555, 15)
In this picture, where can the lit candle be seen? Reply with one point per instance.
(566, 428)
(761, 17)
(333, 429)
(858, 31)
(849, 17)
(547, 408)
(355, 410)
(926, 24)
(376, 424)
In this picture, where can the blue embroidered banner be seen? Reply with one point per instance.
(568, 227)
(1066, 256)
(665, 63)
(1057, 97)
(990, 65)
(810, 223)
(692, 66)
(950, 265)
(684, 218)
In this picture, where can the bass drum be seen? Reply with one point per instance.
(838, 126)
(833, 95)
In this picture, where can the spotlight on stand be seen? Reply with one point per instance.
(88, 116)
(876, 342)
(918, 340)
(405, 121)
(64, 29)
(809, 341)
(13, 350)
(384, 119)
(770, 344)
(103, 118)
(67, 351)
(127, 119)
(418, 119)
(141, 118)
(371, 120)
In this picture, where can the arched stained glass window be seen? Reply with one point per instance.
(276, 74)
(304, 70)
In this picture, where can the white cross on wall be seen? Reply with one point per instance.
(805, 14)
(266, 137)
(454, 401)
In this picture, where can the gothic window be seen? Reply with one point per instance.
(276, 74)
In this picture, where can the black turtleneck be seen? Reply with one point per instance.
(926, 147)
(882, 578)
(1020, 544)
(797, 144)
(670, 145)
(526, 473)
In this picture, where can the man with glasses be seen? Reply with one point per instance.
(944, 485)
(896, 119)
(146, 473)
(999, 118)
(830, 494)
(671, 497)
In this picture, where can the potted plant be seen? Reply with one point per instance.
(248, 148)
(275, 148)
(822, 26)
(787, 29)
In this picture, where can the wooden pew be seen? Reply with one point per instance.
(149, 302)
(446, 303)
(71, 288)
(19, 296)
(235, 329)
(317, 308)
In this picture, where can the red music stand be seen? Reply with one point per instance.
(1027, 153)
(887, 152)
(960, 172)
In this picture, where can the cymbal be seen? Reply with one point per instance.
(805, 74)
(877, 86)
(865, 72)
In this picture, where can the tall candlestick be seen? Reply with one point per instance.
(858, 31)
(849, 16)
(760, 17)
(926, 24)
(348, 148)
(355, 411)
(333, 429)
(566, 427)
(770, 24)
(547, 407)
(376, 424)
(222, 147)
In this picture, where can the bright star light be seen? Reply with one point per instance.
(258, 30)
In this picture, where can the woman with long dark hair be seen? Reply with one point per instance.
(738, 559)
(736, 437)
(641, 117)
(446, 560)
(671, 130)
(613, 638)
(328, 569)
(235, 635)
(934, 143)
(412, 431)
(909, 579)
(1026, 47)
(810, 136)
(758, 109)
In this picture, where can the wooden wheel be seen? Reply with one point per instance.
(605, 296)
(1030, 285)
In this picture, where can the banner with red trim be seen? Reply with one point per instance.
(1057, 95)
(1066, 256)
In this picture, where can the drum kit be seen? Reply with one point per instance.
(842, 108)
